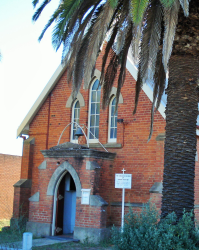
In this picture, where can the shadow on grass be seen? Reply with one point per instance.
(77, 246)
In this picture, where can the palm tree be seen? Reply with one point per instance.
(150, 28)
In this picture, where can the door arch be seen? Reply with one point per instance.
(65, 206)
(54, 184)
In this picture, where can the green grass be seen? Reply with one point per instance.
(9, 235)
(76, 246)
(4, 223)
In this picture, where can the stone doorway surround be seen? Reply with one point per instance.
(83, 164)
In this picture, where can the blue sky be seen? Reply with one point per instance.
(26, 66)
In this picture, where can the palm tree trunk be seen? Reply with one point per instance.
(180, 142)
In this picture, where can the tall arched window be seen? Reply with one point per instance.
(112, 134)
(75, 118)
(94, 112)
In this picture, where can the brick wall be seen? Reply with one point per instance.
(143, 160)
(10, 169)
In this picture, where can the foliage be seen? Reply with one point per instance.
(82, 26)
(14, 232)
(143, 232)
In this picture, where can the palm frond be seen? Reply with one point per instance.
(138, 10)
(51, 20)
(151, 39)
(170, 22)
(155, 92)
(120, 40)
(137, 34)
(124, 54)
(185, 6)
(35, 2)
(40, 9)
(123, 16)
(159, 86)
(74, 32)
(107, 50)
(109, 78)
(113, 3)
(160, 78)
(138, 88)
(79, 55)
(98, 35)
(61, 28)
(78, 49)
(167, 3)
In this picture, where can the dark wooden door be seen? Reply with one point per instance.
(60, 208)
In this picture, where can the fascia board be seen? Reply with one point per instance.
(40, 100)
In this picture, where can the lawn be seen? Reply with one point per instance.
(76, 246)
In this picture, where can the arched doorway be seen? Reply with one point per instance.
(65, 194)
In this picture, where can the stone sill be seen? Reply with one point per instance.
(107, 145)
(127, 204)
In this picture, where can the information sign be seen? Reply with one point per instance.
(85, 196)
(123, 181)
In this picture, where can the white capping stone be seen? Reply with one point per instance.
(34, 197)
(42, 165)
(91, 165)
(156, 188)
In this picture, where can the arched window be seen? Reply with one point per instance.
(112, 133)
(94, 112)
(75, 118)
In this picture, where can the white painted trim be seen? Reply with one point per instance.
(89, 110)
(109, 121)
(146, 88)
(72, 120)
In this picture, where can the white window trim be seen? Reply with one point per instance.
(88, 134)
(72, 120)
(109, 122)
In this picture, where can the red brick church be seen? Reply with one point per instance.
(67, 185)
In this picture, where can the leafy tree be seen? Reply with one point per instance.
(162, 35)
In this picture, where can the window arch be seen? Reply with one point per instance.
(94, 111)
(75, 118)
(112, 131)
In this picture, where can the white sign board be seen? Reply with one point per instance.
(85, 196)
(123, 180)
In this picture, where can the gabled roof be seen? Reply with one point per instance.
(24, 126)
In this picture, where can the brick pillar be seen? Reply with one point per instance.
(22, 189)
(26, 164)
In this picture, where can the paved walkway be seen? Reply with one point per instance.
(52, 240)
(39, 242)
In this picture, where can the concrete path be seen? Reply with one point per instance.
(38, 242)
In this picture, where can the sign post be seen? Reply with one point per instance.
(123, 181)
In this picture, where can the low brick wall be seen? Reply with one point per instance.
(10, 169)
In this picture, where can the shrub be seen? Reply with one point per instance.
(143, 232)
